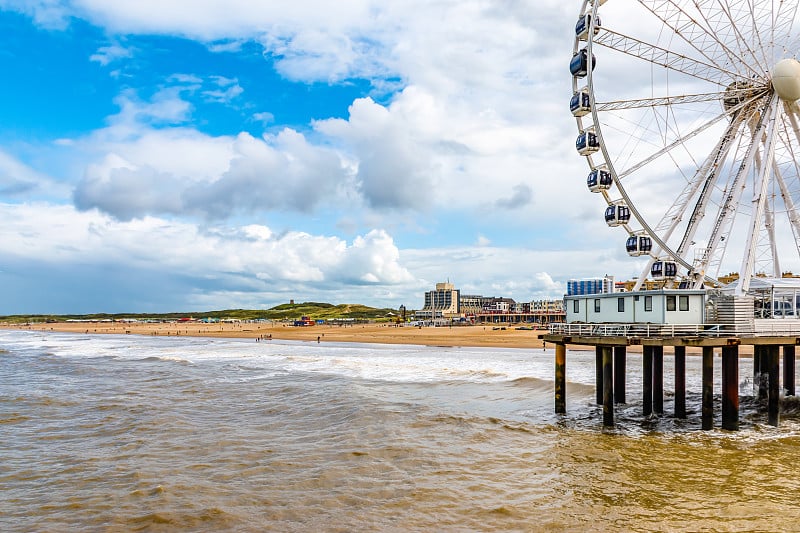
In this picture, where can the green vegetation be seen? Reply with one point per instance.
(315, 310)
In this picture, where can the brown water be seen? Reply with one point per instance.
(120, 434)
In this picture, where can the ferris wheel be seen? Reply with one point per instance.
(688, 118)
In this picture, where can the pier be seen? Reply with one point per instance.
(612, 350)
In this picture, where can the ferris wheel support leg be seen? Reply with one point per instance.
(769, 219)
(759, 199)
(769, 223)
(794, 217)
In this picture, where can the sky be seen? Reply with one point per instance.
(196, 155)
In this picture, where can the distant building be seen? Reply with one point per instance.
(579, 287)
(447, 302)
(472, 304)
(444, 302)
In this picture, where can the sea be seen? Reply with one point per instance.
(136, 433)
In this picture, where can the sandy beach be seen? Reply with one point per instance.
(474, 336)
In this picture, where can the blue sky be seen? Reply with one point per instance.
(204, 155)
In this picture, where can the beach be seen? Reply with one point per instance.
(494, 336)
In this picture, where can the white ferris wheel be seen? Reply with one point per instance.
(687, 115)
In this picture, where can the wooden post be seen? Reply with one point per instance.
(619, 374)
(598, 367)
(680, 382)
(730, 387)
(773, 404)
(756, 369)
(561, 378)
(647, 380)
(608, 386)
(708, 387)
(788, 369)
(762, 378)
(658, 380)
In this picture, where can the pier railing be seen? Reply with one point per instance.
(758, 329)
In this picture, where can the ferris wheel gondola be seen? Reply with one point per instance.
(690, 109)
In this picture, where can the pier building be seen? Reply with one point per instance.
(670, 321)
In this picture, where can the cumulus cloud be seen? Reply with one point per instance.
(464, 130)
(253, 252)
(394, 170)
(245, 174)
(460, 122)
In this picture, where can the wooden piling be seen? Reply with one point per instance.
(620, 358)
(756, 369)
(730, 387)
(598, 368)
(647, 380)
(788, 369)
(761, 376)
(708, 387)
(680, 382)
(561, 378)
(773, 370)
(611, 383)
(658, 380)
(608, 386)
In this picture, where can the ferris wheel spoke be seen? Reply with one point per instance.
(782, 23)
(698, 36)
(736, 18)
(671, 146)
(663, 57)
(618, 105)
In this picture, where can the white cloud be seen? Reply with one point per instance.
(226, 90)
(478, 127)
(60, 235)
(483, 241)
(183, 172)
(108, 54)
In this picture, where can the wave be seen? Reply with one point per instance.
(546, 385)
(165, 359)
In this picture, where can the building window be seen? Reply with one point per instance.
(684, 303)
(576, 306)
(670, 303)
(648, 303)
(621, 305)
(597, 305)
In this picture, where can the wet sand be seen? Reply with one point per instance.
(473, 336)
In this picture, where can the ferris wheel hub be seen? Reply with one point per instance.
(786, 79)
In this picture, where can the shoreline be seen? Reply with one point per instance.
(477, 336)
(455, 336)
